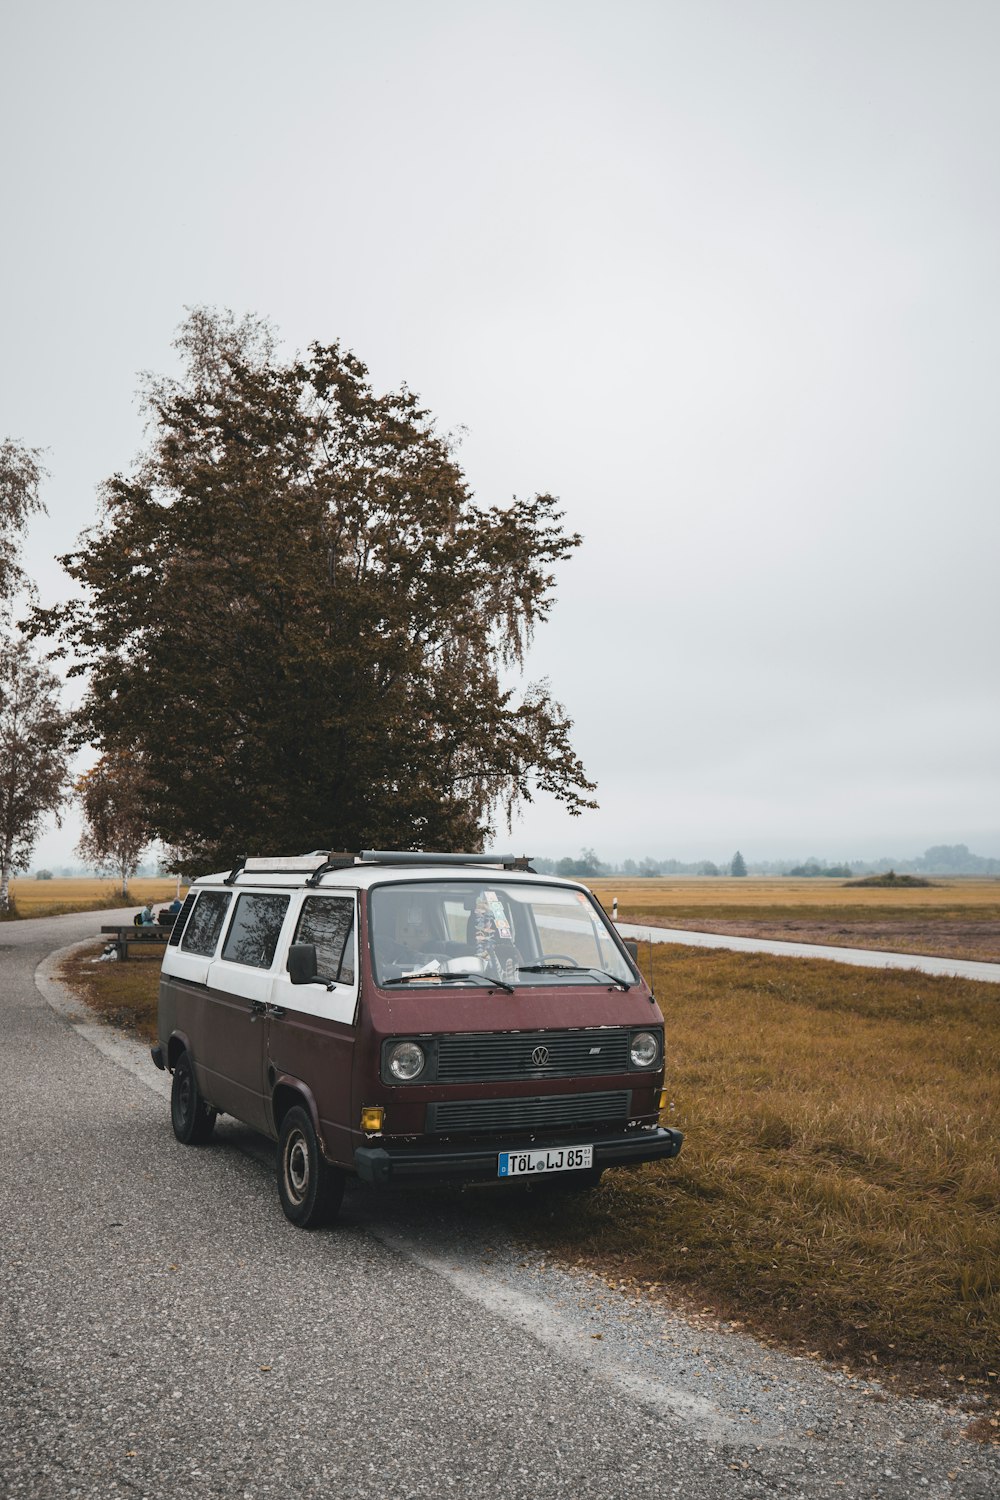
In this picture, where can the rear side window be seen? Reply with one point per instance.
(328, 921)
(181, 919)
(253, 932)
(205, 924)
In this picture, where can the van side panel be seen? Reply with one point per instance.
(181, 1007)
(320, 1052)
(229, 1055)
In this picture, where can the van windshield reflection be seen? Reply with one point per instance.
(511, 933)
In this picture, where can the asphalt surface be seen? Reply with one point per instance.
(165, 1332)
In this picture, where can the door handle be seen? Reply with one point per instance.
(275, 1011)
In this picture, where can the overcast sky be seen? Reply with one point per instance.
(722, 274)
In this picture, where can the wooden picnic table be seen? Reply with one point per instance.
(125, 937)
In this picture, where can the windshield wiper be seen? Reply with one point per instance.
(500, 984)
(570, 969)
(494, 984)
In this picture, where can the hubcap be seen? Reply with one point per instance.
(184, 1095)
(297, 1165)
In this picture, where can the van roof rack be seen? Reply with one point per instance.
(321, 861)
(329, 861)
(316, 864)
(417, 857)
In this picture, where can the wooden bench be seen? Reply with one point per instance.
(127, 937)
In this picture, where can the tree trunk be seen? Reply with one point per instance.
(4, 883)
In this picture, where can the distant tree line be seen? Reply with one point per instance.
(941, 859)
(589, 865)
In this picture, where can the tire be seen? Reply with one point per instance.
(309, 1188)
(193, 1120)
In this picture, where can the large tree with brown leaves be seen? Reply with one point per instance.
(298, 615)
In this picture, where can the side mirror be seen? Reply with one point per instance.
(632, 948)
(302, 963)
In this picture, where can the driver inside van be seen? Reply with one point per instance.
(416, 932)
(409, 943)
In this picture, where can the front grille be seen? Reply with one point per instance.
(559, 1111)
(484, 1056)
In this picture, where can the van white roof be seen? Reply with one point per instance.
(363, 872)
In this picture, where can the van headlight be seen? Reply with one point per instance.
(644, 1049)
(405, 1061)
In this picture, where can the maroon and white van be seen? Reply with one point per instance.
(403, 1016)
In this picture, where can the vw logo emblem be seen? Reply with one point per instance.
(540, 1056)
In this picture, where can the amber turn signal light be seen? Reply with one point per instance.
(372, 1116)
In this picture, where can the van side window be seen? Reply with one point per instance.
(202, 931)
(328, 921)
(253, 932)
(176, 932)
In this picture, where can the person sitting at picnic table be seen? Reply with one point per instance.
(145, 917)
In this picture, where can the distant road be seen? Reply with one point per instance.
(45, 933)
(869, 958)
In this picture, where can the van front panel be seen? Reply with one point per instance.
(482, 1086)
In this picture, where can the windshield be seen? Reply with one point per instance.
(462, 931)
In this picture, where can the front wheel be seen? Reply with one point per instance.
(309, 1188)
(193, 1120)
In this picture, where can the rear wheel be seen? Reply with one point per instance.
(193, 1120)
(309, 1188)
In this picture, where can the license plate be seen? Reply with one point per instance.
(557, 1159)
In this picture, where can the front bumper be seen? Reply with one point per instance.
(382, 1164)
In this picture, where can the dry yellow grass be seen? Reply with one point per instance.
(767, 891)
(122, 994)
(50, 898)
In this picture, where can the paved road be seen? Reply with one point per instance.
(867, 958)
(164, 1331)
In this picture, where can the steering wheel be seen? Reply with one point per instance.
(557, 958)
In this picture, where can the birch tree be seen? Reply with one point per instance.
(34, 732)
(20, 480)
(113, 798)
(34, 756)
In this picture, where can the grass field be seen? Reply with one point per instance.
(957, 918)
(839, 1185)
(50, 898)
(754, 891)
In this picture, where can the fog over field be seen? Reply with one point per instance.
(722, 276)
